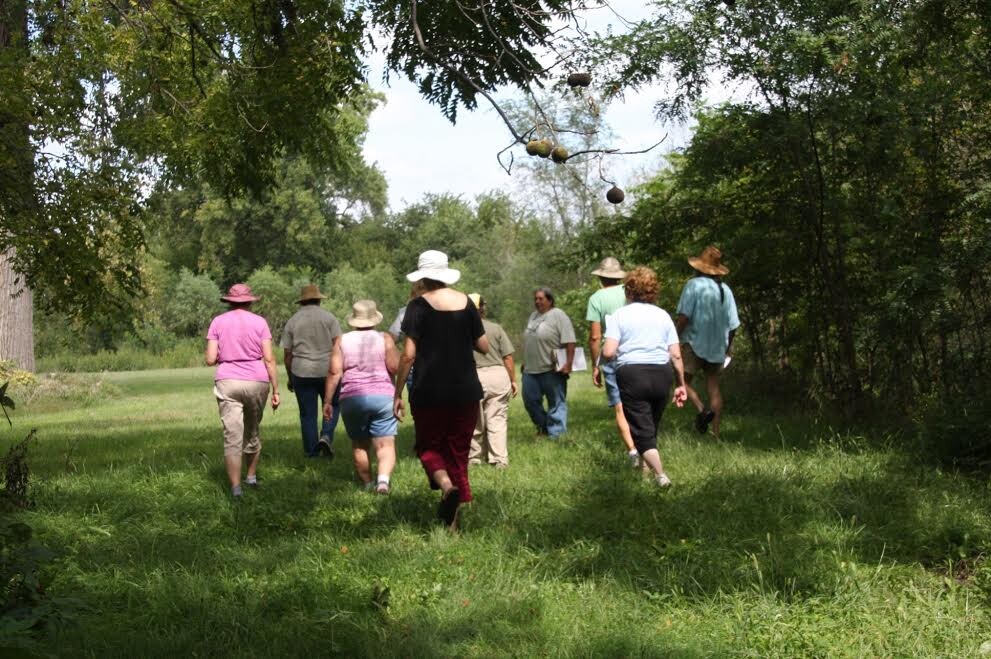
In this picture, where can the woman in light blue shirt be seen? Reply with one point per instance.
(642, 338)
(707, 321)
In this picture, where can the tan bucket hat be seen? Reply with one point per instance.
(710, 261)
(609, 268)
(364, 313)
(310, 292)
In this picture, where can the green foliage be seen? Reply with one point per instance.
(345, 285)
(192, 304)
(840, 191)
(278, 298)
(955, 430)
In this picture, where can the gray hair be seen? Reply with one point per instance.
(547, 293)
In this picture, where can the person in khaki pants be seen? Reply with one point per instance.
(497, 374)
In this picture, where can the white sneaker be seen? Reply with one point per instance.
(663, 480)
(634, 460)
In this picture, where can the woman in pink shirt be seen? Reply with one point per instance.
(364, 362)
(240, 344)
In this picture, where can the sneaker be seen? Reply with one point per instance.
(474, 462)
(634, 460)
(499, 466)
(324, 448)
(252, 483)
(663, 480)
(382, 488)
(703, 419)
(237, 492)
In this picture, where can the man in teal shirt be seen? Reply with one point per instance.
(706, 321)
(603, 303)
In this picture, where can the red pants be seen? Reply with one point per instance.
(443, 439)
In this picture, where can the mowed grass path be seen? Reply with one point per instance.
(786, 539)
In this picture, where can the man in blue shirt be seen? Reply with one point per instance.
(706, 321)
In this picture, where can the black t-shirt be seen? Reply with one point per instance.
(445, 361)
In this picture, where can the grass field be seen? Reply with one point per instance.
(786, 539)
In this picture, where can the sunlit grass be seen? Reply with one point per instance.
(785, 539)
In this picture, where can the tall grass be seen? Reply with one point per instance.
(788, 538)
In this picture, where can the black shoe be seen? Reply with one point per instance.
(447, 510)
(703, 419)
(324, 448)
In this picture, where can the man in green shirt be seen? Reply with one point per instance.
(602, 304)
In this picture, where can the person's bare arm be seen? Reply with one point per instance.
(391, 354)
(594, 346)
(212, 352)
(334, 374)
(287, 360)
(507, 361)
(680, 323)
(569, 359)
(482, 344)
(680, 392)
(268, 357)
(405, 364)
(609, 348)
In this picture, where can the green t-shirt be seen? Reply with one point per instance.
(604, 302)
(310, 335)
(544, 334)
(499, 346)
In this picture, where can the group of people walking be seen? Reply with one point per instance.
(458, 368)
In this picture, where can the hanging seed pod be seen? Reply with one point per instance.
(615, 195)
(544, 147)
(532, 147)
(579, 79)
(559, 154)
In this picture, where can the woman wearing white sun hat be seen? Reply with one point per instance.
(442, 327)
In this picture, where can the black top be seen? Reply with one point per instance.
(445, 360)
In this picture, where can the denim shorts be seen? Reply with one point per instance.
(369, 416)
(608, 372)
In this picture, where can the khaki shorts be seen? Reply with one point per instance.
(693, 363)
(242, 404)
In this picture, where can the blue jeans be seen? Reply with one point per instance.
(553, 386)
(308, 392)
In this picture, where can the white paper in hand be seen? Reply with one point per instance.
(727, 361)
(578, 364)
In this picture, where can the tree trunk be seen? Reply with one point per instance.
(16, 197)
(16, 316)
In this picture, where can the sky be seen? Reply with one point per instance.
(422, 152)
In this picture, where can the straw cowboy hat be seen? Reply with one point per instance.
(476, 299)
(609, 268)
(433, 265)
(364, 313)
(310, 292)
(710, 262)
(239, 293)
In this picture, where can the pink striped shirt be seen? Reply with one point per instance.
(365, 372)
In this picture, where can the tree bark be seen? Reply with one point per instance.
(16, 316)
(16, 188)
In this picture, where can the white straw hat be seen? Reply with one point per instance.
(433, 265)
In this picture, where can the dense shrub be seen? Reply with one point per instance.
(184, 354)
(193, 303)
(956, 431)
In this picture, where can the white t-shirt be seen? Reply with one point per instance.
(644, 332)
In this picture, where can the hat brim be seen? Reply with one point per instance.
(445, 275)
(609, 274)
(364, 323)
(702, 266)
(239, 298)
(311, 297)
